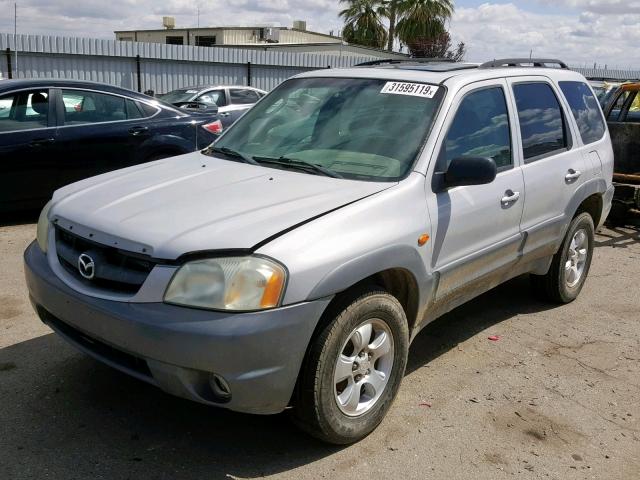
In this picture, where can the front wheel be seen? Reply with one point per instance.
(570, 265)
(353, 368)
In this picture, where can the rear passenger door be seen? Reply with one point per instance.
(552, 164)
(98, 132)
(478, 226)
(27, 144)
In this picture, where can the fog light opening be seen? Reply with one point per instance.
(220, 387)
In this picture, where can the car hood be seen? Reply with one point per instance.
(195, 202)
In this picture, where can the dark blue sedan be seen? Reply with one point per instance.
(55, 132)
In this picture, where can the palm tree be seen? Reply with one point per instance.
(421, 19)
(392, 15)
(363, 22)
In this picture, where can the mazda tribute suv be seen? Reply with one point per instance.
(291, 263)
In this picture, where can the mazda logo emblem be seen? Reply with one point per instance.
(86, 266)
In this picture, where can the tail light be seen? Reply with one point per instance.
(213, 127)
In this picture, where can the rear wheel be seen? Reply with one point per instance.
(353, 369)
(570, 265)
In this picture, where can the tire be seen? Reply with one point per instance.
(318, 410)
(562, 285)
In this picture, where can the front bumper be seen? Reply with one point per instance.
(178, 349)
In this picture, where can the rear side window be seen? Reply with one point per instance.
(82, 107)
(26, 110)
(243, 96)
(542, 125)
(479, 129)
(214, 97)
(585, 109)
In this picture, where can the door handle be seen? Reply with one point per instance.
(572, 175)
(509, 197)
(224, 114)
(41, 142)
(138, 130)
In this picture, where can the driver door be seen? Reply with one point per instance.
(477, 227)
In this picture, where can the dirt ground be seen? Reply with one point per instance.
(556, 397)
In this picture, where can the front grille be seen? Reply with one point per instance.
(116, 271)
(123, 359)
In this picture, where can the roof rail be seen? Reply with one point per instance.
(521, 62)
(382, 61)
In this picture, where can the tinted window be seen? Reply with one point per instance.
(585, 109)
(541, 122)
(148, 110)
(82, 107)
(243, 96)
(480, 129)
(133, 110)
(616, 110)
(25, 110)
(215, 97)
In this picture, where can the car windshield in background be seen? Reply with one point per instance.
(177, 96)
(363, 129)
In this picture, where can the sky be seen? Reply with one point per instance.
(581, 32)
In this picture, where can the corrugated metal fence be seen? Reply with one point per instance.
(158, 67)
(153, 66)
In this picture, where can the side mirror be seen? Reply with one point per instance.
(470, 171)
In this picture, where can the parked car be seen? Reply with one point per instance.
(293, 261)
(55, 132)
(623, 118)
(232, 101)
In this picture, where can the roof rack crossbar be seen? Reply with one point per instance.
(382, 61)
(522, 62)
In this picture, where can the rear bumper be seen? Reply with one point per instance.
(178, 349)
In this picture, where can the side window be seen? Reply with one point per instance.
(615, 113)
(215, 97)
(585, 109)
(133, 110)
(24, 110)
(633, 115)
(82, 107)
(542, 125)
(241, 96)
(479, 129)
(148, 110)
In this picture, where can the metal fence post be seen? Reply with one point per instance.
(248, 74)
(9, 66)
(138, 73)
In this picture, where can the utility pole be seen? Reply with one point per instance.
(15, 33)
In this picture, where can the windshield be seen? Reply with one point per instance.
(363, 129)
(177, 96)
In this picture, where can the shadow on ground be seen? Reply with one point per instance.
(68, 416)
(618, 237)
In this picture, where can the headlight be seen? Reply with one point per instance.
(228, 283)
(42, 232)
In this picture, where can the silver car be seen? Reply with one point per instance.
(231, 101)
(292, 262)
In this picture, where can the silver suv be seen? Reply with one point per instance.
(292, 262)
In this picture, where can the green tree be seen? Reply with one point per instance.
(363, 22)
(422, 19)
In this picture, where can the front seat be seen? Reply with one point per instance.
(40, 105)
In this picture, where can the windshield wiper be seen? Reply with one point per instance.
(301, 164)
(230, 152)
